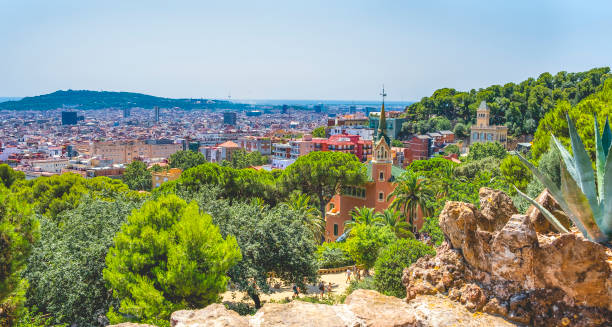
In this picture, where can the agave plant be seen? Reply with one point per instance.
(587, 201)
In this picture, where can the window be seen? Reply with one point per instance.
(381, 196)
(381, 176)
(331, 206)
(335, 229)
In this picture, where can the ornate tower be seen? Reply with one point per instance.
(482, 115)
(382, 159)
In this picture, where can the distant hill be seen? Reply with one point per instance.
(91, 100)
(4, 99)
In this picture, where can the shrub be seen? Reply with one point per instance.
(392, 261)
(365, 241)
(333, 255)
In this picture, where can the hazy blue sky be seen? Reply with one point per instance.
(294, 49)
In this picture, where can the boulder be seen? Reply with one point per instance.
(375, 309)
(299, 313)
(496, 208)
(540, 223)
(214, 315)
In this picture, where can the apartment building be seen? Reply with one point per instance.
(158, 178)
(127, 151)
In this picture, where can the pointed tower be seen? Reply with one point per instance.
(482, 118)
(382, 159)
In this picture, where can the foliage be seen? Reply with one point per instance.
(168, 256)
(271, 239)
(518, 106)
(311, 218)
(396, 222)
(410, 195)
(397, 143)
(18, 230)
(243, 309)
(333, 255)
(361, 216)
(365, 283)
(186, 159)
(65, 269)
(583, 193)
(137, 177)
(431, 228)
(515, 173)
(391, 263)
(242, 159)
(52, 195)
(553, 123)
(452, 149)
(489, 149)
(319, 132)
(550, 165)
(365, 241)
(320, 173)
(8, 176)
(461, 130)
(235, 184)
(472, 168)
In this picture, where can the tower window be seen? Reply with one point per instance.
(381, 196)
(335, 229)
(381, 176)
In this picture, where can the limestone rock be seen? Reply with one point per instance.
(496, 207)
(299, 313)
(472, 297)
(439, 312)
(214, 315)
(379, 310)
(540, 223)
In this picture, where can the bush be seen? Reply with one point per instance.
(491, 149)
(431, 227)
(365, 241)
(333, 255)
(366, 283)
(167, 257)
(392, 261)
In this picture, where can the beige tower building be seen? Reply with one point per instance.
(483, 132)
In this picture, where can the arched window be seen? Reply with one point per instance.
(381, 176)
(381, 196)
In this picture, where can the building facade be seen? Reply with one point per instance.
(393, 124)
(483, 132)
(158, 178)
(127, 151)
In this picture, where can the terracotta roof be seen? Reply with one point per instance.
(228, 144)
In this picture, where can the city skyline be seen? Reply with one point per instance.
(275, 50)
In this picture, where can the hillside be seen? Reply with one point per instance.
(89, 100)
(518, 106)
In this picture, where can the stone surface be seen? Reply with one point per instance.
(540, 223)
(375, 309)
(298, 313)
(214, 315)
(130, 324)
(513, 271)
(497, 207)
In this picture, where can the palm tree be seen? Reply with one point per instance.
(363, 215)
(311, 217)
(411, 194)
(397, 222)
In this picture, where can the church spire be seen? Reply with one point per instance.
(382, 125)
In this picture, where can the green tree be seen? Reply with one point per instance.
(168, 256)
(365, 241)
(311, 217)
(490, 149)
(8, 176)
(361, 216)
(452, 149)
(411, 194)
(319, 132)
(18, 230)
(64, 271)
(391, 263)
(186, 159)
(515, 172)
(460, 130)
(396, 222)
(242, 159)
(321, 173)
(397, 143)
(554, 123)
(333, 255)
(137, 177)
(271, 239)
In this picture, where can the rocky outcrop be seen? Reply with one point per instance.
(362, 308)
(511, 270)
(540, 223)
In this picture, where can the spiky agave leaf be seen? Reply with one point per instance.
(547, 214)
(580, 209)
(605, 214)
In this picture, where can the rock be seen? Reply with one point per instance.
(130, 324)
(513, 253)
(379, 310)
(440, 312)
(579, 267)
(214, 315)
(472, 297)
(540, 223)
(496, 307)
(299, 313)
(496, 207)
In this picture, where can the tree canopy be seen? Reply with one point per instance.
(137, 177)
(186, 159)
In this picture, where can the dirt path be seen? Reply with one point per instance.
(338, 281)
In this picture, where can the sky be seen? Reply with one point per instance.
(344, 50)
